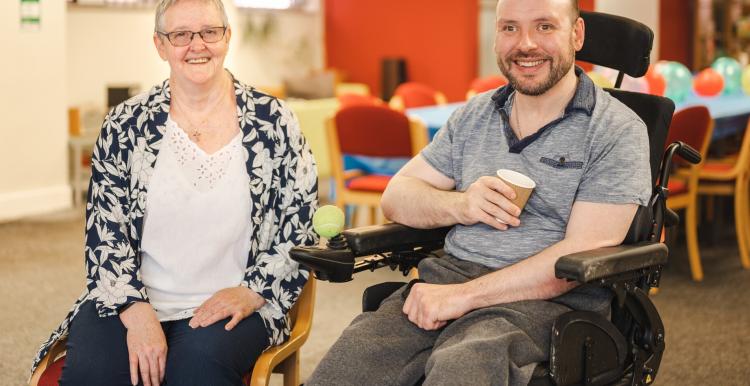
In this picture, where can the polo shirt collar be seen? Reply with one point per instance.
(584, 98)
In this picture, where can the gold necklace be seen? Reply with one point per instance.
(195, 130)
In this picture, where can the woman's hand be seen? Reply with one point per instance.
(147, 346)
(237, 302)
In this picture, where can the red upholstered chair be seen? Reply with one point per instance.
(346, 100)
(693, 126)
(283, 358)
(374, 131)
(413, 94)
(480, 85)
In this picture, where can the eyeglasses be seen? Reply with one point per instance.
(183, 38)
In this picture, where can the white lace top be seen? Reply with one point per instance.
(196, 235)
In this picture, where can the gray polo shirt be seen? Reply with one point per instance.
(597, 152)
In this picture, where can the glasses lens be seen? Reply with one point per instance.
(212, 35)
(180, 38)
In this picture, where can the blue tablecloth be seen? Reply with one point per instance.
(434, 117)
(730, 113)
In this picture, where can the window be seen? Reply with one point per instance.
(270, 4)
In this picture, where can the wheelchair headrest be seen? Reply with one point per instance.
(616, 42)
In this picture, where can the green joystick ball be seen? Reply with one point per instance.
(328, 221)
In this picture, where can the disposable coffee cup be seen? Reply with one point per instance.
(522, 185)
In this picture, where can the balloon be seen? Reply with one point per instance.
(731, 70)
(746, 80)
(628, 83)
(708, 83)
(678, 78)
(600, 80)
(635, 84)
(656, 82)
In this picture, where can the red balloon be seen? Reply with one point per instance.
(656, 82)
(708, 83)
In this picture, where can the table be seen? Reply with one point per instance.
(730, 112)
(79, 178)
(434, 117)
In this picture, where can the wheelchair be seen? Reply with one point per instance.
(586, 349)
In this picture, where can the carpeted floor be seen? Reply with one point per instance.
(708, 323)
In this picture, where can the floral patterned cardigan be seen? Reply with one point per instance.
(283, 189)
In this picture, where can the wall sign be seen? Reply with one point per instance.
(30, 15)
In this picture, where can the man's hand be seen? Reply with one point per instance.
(147, 346)
(488, 201)
(431, 306)
(237, 302)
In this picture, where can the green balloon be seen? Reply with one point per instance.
(678, 78)
(731, 71)
(328, 221)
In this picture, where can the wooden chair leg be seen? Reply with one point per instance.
(290, 368)
(741, 220)
(691, 234)
(355, 216)
(373, 215)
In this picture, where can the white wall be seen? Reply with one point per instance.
(114, 46)
(33, 129)
(644, 11)
(109, 46)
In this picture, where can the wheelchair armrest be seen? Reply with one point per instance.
(337, 263)
(391, 237)
(588, 266)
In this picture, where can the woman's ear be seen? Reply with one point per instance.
(159, 44)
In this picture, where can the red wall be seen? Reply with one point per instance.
(586, 5)
(675, 31)
(437, 38)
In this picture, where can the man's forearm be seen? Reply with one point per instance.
(530, 279)
(413, 202)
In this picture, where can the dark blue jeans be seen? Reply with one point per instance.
(97, 352)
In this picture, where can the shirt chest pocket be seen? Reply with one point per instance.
(561, 162)
(557, 177)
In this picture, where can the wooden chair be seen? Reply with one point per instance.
(413, 94)
(374, 131)
(283, 358)
(693, 126)
(480, 85)
(727, 178)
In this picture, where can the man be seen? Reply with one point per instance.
(484, 314)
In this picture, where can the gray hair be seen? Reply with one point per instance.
(163, 5)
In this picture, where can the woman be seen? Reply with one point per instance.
(199, 189)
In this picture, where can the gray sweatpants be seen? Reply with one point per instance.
(498, 345)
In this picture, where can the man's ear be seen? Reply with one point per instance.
(579, 33)
(229, 34)
(159, 44)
